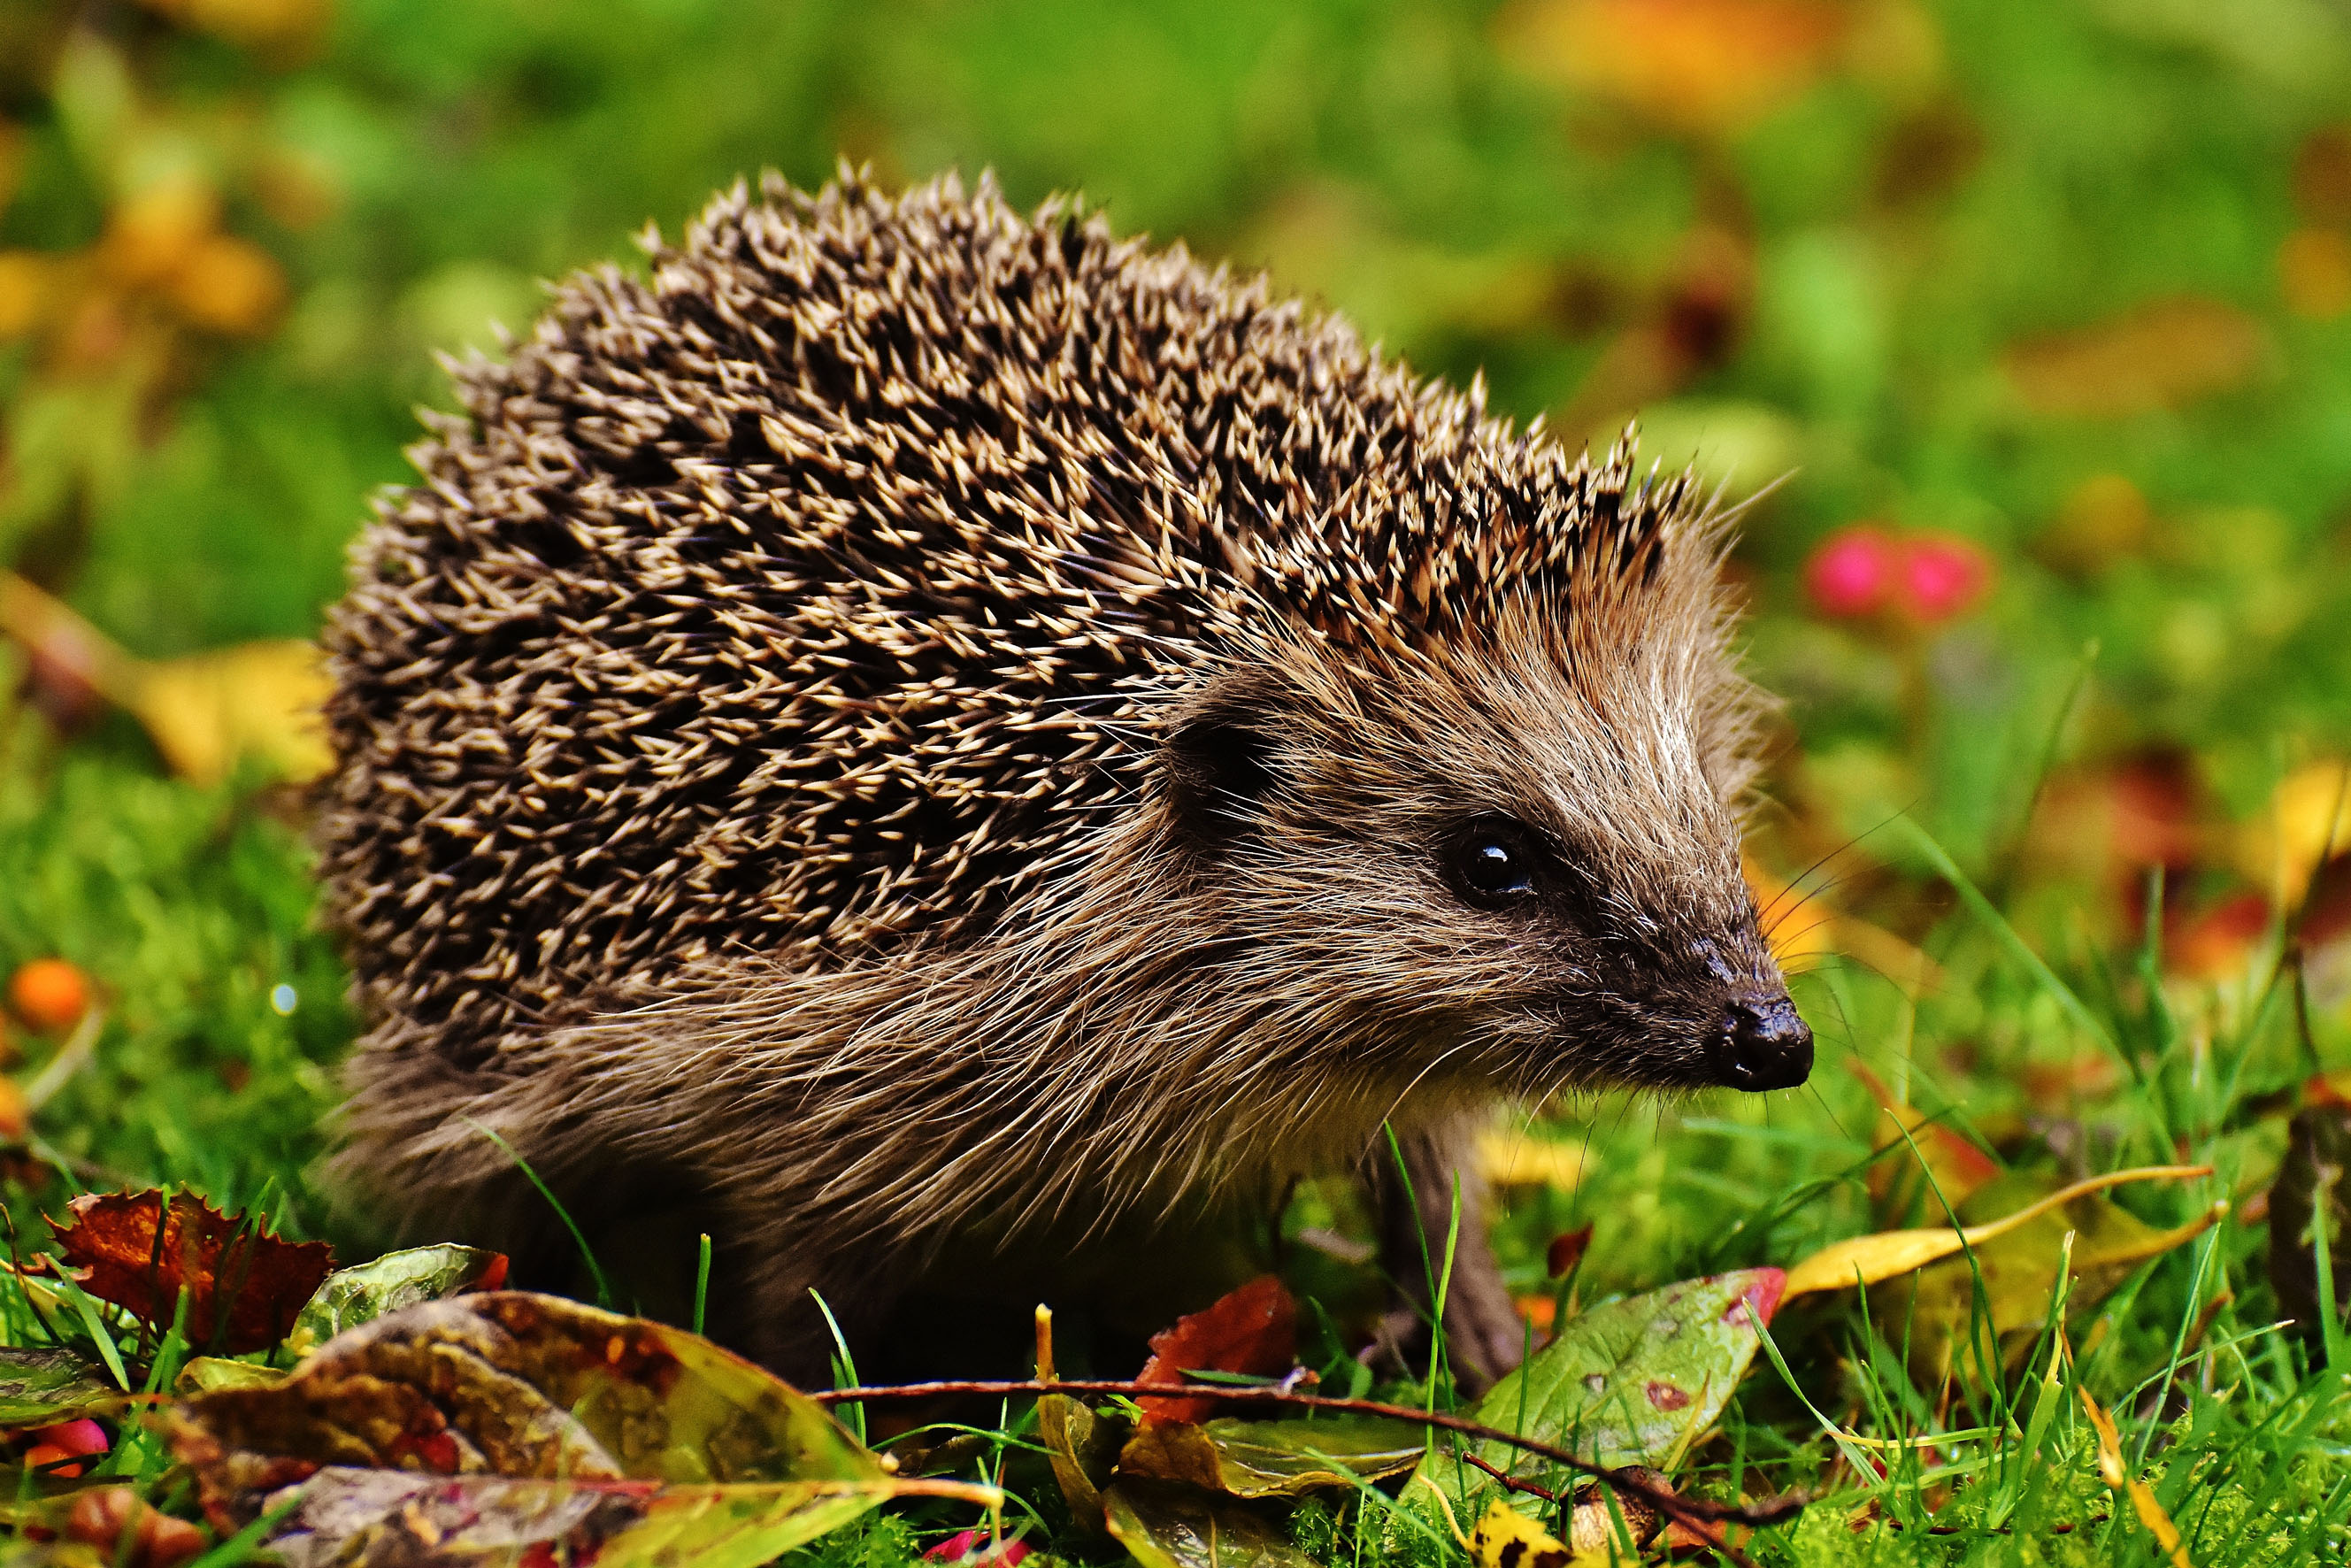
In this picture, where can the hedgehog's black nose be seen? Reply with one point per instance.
(1763, 1045)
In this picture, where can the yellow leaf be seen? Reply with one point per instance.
(25, 278)
(2310, 816)
(229, 285)
(150, 234)
(1866, 1260)
(1509, 1157)
(2142, 1495)
(256, 699)
(1505, 1538)
(1800, 925)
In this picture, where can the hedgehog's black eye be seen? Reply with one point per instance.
(1492, 865)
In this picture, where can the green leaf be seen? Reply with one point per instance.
(351, 1296)
(1630, 1383)
(40, 1387)
(2019, 1268)
(499, 1423)
(1274, 1458)
(208, 1374)
(1166, 1525)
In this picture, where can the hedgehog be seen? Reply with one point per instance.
(951, 753)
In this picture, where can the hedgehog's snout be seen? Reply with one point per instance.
(1761, 1044)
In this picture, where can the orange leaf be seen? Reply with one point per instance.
(2142, 1495)
(1254, 1329)
(1695, 65)
(229, 285)
(1956, 1166)
(245, 1284)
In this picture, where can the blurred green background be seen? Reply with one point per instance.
(2053, 293)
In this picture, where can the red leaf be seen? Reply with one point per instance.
(1566, 1249)
(1254, 1331)
(235, 1272)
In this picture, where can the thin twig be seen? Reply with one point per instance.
(1674, 1505)
(1512, 1483)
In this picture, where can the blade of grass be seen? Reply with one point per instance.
(604, 1297)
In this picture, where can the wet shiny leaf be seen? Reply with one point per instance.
(1273, 1459)
(1628, 1383)
(503, 1424)
(1164, 1525)
(1252, 1330)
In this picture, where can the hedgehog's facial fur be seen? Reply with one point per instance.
(1344, 809)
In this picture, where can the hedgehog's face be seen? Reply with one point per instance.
(1493, 873)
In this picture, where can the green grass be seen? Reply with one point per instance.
(1856, 268)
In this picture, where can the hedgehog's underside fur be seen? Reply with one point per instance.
(916, 727)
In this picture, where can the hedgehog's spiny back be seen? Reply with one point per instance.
(813, 594)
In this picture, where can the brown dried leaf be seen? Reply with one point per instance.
(2161, 355)
(504, 1426)
(1254, 1329)
(245, 1285)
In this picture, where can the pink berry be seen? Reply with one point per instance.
(82, 1437)
(1852, 572)
(1943, 576)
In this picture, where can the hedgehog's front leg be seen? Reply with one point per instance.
(1484, 1335)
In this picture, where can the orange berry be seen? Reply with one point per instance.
(15, 1116)
(50, 993)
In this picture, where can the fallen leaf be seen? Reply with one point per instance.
(1163, 1525)
(1707, 66)
(2103, 520)
(204, 712)
(38, 1387)
(2309, 822)
(1505, 1538)
(152, 231)
(2019, 1270)
(1630, 1383)
(2142, 1497)
(1937, 1167)
(2161, 355)
(2314, 273)
(349, 1297)
(1566, 1249)
(26, 283)
(502, 1425)
(1800, 925)
(1273, 1459)
(130, 1533)
(1865, 1259)
(253, 23)
(979, 1549)
(256, 699)
(245, 1284)
(210, 1373)
(229, 285)
(1253, 1331)
(1514, 1157)
(2317, 1153)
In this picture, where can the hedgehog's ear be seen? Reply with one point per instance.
(1220, 752)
